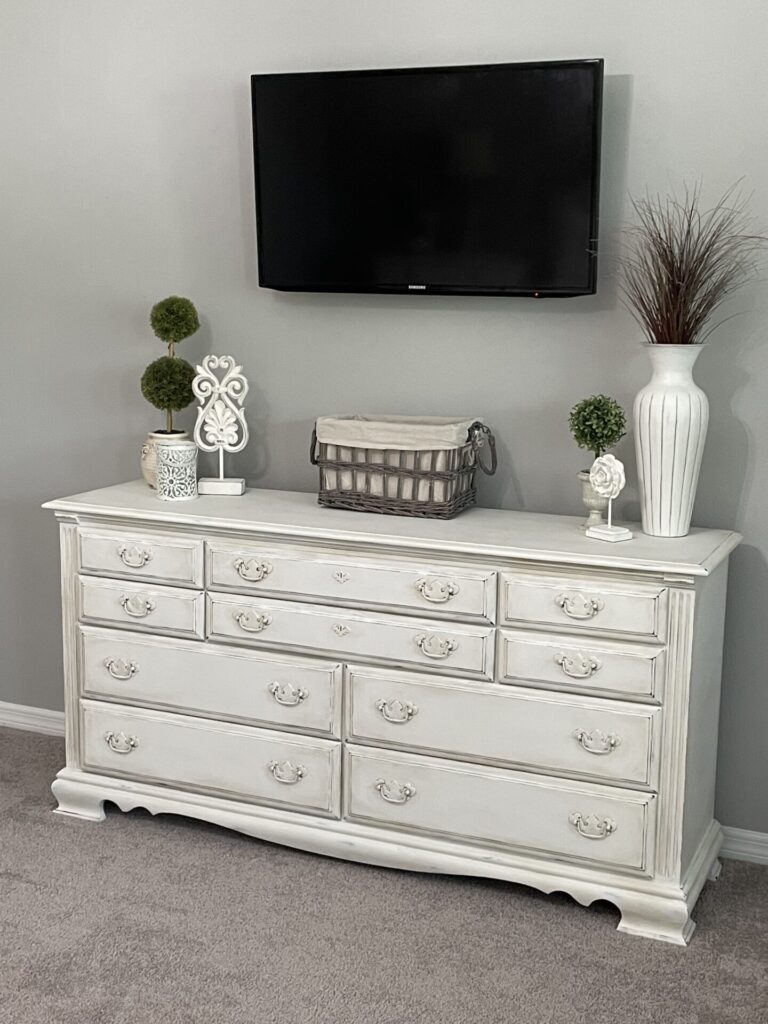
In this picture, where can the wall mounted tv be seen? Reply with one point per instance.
(476, 180)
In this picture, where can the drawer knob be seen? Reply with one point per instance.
(252, 622)
(134, 555)
(120, 743)
(341, 577)
(341, 630)
(136, 606)
(396, 711)
(437, 591)
(395, 792)
(120, 669)
(286, 772)
(436, 647)
(287, 694)
(252, 569)
(577, 664)
(590, 826)
(597, 741)
(579, 606)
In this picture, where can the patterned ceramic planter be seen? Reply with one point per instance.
(176, 470)
(149, 454)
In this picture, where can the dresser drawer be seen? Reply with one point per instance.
(496, 806)
(149, 556)
(229, 760)
(450, 647)
(581, 664)
(136, 606)
(207, 679)
(599, 738)
(632, 609)
(433, 590)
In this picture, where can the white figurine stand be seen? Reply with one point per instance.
(220, 418)
(608, 480)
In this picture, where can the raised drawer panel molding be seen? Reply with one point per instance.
(496, 695)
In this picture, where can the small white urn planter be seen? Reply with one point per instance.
(671, 416)
(595, 503)
(149, 452)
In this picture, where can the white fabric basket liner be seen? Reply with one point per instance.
(401, 433)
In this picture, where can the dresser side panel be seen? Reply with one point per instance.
(69, 614)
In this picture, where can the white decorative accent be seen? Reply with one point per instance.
(577, 664)
(592, 826)
(252, 569)
(134, 556)
(341, 577)
(120, 669)
(396, 711)
(288, 694)
(433, 646)
(149, 452)
(437, 591)
(137, 606)
(395, 792)
(251, 621)
(220, 424)
(287, 772)
(592, 501)
(176, 471)
(607, 479)
(341, 630)
(596, 741)
(579, 606)
(671, 416)
(120, 743)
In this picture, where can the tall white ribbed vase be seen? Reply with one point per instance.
(671, 418)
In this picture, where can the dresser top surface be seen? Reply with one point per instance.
(482, 533)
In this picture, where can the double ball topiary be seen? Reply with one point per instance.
(597, 424)
(167, 383)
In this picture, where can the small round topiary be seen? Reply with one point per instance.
(174, 319)
(597, 423)
(167, 383)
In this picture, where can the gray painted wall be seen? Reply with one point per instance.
(127, 176)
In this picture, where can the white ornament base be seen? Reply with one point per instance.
(610, 533)
(216, 485)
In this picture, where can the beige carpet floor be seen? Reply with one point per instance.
(170, 920)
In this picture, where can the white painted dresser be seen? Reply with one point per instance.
(496, 696)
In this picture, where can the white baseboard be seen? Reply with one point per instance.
(18, 716)
(741, 844)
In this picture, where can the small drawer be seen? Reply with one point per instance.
(589, 737)
(146, 608)
(593, 606)
(206, 679)
(229, 760)
(149, 556)
(581, 664)
(500, 807)
(433, 590)
(447, 647)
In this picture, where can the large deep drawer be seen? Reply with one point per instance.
(451, 647)
(170, 610)
(432, 589)
(499, 807)
(146, 555)
(228, 760)
(605, 739)
(209, 679)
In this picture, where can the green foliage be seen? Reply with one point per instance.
(597, 423)
(174, 319)
(167, 383)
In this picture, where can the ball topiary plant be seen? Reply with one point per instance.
(597, 424)
(167, 382)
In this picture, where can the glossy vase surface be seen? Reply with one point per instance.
(671, 416)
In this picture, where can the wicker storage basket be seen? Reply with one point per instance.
(399, 465)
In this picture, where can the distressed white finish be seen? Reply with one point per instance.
(671, 416)
(559, 741)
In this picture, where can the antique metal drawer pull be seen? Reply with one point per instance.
(396, 711)
(395, 792)
(438, 591)
(590, 826)
(120, 669)
(341, 577)
(134, 556)
(579, 606)
(341, 630)
(286, 772)
(136, 606)
(433, 646)
(597, 741)
(252, 569)
(287, 694)
(252, 622)
(120, 743)
(577, 664)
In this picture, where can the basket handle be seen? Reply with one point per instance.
(313, 447)
(479, 436)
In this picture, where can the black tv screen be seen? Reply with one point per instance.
(457, 180)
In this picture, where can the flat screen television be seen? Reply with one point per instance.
(472, 180)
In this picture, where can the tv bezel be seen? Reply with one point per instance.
(597, 65)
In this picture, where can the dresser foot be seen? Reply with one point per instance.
(667, 920)
(77, 800)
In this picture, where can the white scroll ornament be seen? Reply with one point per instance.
(220, 422)
(608, 480)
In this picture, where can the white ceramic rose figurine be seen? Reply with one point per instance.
(608, 480)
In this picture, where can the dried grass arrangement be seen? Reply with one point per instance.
(680, 262)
